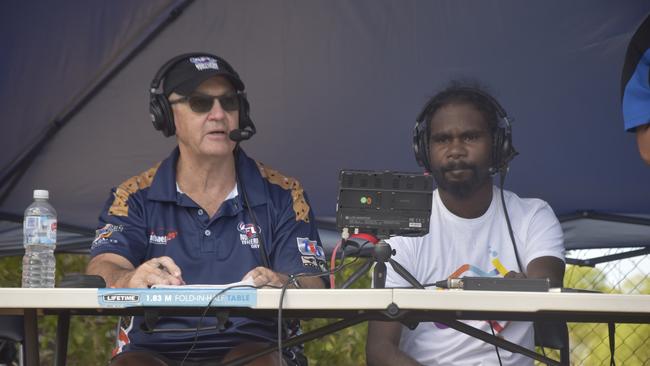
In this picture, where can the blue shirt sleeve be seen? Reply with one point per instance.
(636, 96)
(635, 79)
(296, 246)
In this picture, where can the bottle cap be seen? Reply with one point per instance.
(42, 194)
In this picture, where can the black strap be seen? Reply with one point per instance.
(223, 321)
(151, 318)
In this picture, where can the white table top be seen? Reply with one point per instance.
(365, 299)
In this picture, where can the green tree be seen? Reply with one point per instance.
(347, 346)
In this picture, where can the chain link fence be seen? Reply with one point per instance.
(589, 342)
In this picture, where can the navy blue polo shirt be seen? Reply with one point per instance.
(147, 217)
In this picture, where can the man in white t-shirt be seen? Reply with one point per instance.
(463, 138)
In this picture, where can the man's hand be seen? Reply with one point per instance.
(263, 276)
(543, 267)
(547, 267)
(156, 271)
(514, 274)
(117, 271)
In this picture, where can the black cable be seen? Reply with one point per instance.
(263, 254)
(265, 259)
(284, 289)
(495, 346)
(207, 308)
(505, 212)
(343, 246)
(611, 330)
(293, 278)
(502, 176)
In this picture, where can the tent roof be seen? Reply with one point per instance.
(332, 85)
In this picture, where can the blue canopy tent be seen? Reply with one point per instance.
(332, 85)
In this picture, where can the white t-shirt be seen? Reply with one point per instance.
(457, 247)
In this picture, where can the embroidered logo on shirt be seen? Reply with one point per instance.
(311, 254)
(162, 238)
(310, 248)
(249, 235)
(102, 235)
(309, 261)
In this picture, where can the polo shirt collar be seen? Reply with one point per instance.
(163, 187)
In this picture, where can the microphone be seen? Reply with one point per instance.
(238, 135)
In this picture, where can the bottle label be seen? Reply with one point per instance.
(40, 230)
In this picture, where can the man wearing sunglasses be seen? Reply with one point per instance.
(208, 214)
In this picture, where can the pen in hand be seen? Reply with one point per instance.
(166, 270)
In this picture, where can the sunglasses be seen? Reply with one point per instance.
(201, 103)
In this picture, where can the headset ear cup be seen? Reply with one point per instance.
(161, 115)
(420, 148)
(505, 151)
(168, 117)
(508, 151)
(156, 113)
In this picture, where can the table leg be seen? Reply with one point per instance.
(62, 330)
(31, 337)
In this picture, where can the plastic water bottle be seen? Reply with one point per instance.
(39, 239)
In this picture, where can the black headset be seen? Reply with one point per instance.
(161, 112)
(502, 149)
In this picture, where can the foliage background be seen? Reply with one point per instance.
(91, 338)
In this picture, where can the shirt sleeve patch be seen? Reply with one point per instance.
(310, 248)
(103, 235)
(311, 254)
(127, 188)
(300, 206)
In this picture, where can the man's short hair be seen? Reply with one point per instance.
(458, 92)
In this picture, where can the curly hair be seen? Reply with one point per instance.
(464, 93)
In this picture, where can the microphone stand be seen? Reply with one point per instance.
(381, 254)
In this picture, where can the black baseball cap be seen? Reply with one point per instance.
(188, 73)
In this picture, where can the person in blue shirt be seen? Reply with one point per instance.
(207, 214)
(635, 88)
